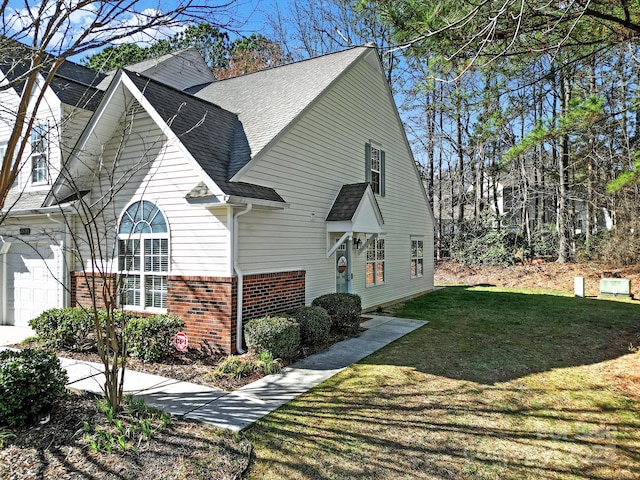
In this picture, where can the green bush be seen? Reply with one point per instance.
(73, 327)
(344, 309)
(233, 366)
(65, 328)
(545, 240)
(238, 366)
(279, 336)
(31, 381)
(481, 242)
(315, 324)
(152, 338)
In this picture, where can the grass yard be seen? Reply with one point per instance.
(500, 384)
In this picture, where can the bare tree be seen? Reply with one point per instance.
(34, 48)
(51, 35)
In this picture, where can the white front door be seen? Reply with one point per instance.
(32, 284)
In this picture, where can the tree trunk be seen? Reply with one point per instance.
(563, 174)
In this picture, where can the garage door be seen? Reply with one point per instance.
(32, 285)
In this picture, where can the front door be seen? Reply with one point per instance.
(343, 269)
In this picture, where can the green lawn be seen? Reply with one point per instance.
(499, 384)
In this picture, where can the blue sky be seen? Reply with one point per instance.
(244, 16)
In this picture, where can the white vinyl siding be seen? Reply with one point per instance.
(150, 169)
(309, 165)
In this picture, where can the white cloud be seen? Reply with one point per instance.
(20, 20)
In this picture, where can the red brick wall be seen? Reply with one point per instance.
(208, 304)
(83, 283)
(269, 293)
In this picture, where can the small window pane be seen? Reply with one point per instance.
(370, 274)
(39, 168)
(417, 253)
(39, 139)
(129, 255)
(156, 255)
(131, 290)
(380, 272)
(155, 291)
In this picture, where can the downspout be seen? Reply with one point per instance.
(236, 268)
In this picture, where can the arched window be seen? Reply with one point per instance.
(143, 256)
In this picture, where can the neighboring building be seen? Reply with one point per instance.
(228, 200)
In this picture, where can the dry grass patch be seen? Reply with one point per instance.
(499, 385)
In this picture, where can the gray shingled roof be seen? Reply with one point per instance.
(74, 84)
(268, 101)
(17, 200)
(214, 136)
(76, 94)
(346, 203)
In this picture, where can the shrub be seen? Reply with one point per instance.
(315, 324)
(279, 336)
(266, 364)
(481, 242)
(73, 327)
(151, 338)
(238, 366)
(344, 309)
(545, 240)
(30, 383)
(65, 327)
(621, 246)
(233, 366)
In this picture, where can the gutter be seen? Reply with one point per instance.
(239, 275)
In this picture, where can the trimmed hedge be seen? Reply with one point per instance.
(344, 309)
(31, 381)
(152, 338)
(149, 338)
(315, 324)
(278, 335)
(64, 327)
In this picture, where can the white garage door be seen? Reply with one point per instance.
(32, 285)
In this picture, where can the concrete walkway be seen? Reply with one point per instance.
(239, 409)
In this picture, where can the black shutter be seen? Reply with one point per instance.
(382, 173)
(367, 162)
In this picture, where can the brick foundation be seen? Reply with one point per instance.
(208, 304)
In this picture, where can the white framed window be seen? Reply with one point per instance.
(375, 262)
(417, 257)
(40, 153)
(374, 164)
(143, 257)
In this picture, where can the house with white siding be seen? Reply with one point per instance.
(220, 201)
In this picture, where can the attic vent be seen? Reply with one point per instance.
(132, 110)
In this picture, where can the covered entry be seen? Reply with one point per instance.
(354, 211)
(30, 285)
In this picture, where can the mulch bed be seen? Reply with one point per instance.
(59, 448)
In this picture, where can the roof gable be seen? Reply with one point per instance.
(208, 135)
(213, 136)
(355, 209)
(269, 101)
